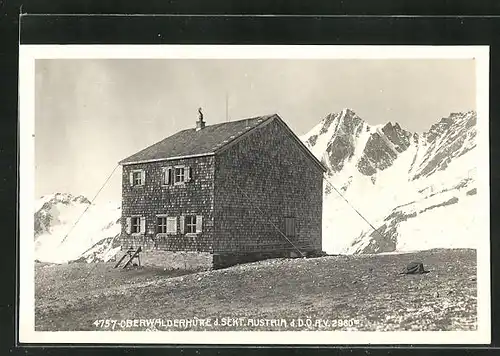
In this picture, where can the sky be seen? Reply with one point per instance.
(91, 113)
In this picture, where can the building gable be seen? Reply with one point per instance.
(288, 131)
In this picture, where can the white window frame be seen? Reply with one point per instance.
(132, 225)
(183, 170)
(190, 225)
(141, 173)
(161, 225)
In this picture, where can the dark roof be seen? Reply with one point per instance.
(207, 141)
(191, 142)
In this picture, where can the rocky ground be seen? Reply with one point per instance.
(363, 292)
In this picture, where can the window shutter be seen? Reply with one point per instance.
(157, 226)
(128, 225)
(143, 225)
(143, 177)
(187, 174)
(172, 225)
(168, 175)
(131, 178)
(181, 223)
(163, 176)
(199, 223)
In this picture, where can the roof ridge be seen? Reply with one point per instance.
(263, 117)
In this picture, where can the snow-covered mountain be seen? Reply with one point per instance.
(411, 188)
(59, 240)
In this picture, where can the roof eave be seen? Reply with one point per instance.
(173, 158)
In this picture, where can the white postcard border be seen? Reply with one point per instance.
(29, 53)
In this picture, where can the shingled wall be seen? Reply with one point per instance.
(263, 178)
(195, 197)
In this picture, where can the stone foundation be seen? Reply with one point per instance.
(195, 261)
(223, 260)
(201, 261)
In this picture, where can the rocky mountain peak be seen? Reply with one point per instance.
(461, 120)
(345, 120)
(81, 199)
(64, 198)
(344, 138)
(448, 139)
(348, 113)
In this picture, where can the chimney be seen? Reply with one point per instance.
(200, 124)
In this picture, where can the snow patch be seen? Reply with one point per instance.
(60, 240)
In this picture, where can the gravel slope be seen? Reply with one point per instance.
(367, 291)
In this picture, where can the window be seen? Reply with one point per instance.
(289, 226)
(136, 225)
(176, 175)
(179, 175)
(191, 224)
(137, 177)
(161, 225)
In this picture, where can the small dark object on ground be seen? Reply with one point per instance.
(415, 268)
